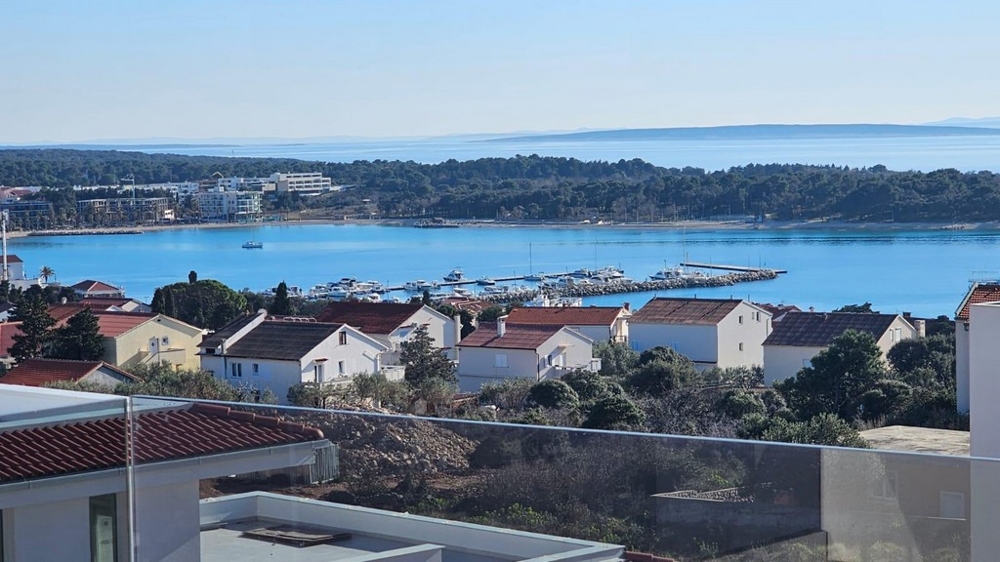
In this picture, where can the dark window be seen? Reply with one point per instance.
(343, 338)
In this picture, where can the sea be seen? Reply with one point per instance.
(925, 272)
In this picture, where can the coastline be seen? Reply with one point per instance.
(692, 225)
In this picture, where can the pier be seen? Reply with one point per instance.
(723, 267)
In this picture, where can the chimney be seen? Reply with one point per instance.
(62, 300)
(501, 326)
(458, 327)
(906, 315)
(811, 309)
(921, 326)
(627, 306)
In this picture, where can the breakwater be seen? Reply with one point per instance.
(85, 232)
(621, 287)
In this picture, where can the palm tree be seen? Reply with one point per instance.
(45, 272)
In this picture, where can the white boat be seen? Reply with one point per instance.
(609, 272)
(669, 273)
(462, 292)
(496, 290)
(581, 273)
(414, 286)
(535, 277)
(426, 286)
(372, 297)
(253, 245)
(485, 281)
(455, 275)
(339, 293)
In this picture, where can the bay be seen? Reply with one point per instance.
(965, 153)
(923, 272)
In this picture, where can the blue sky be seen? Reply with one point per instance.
(74, 71)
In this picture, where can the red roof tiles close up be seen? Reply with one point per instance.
(978, 294)
(368, 317)
(191, 430)
(38, 372)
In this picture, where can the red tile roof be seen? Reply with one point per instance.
(12, 258)
(517, 336)
(104, 303)
(91, 286)
(684, 311)
(979, 293)
(565, 315)
(188, 431)
(114, 324)
(372, 318)
(38, 371)
(63, 312)
(7, 332)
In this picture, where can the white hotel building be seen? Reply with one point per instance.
(304, 183)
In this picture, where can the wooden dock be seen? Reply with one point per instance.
(737, 268)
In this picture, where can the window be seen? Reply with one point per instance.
(953, 505)
(166, 340)
(500, 360)
(340, 368)
(236, 369)
(741, 346)
(343, 338)
(103, 529)
(256, 368)
(741, 318)
(885, 488)
(318, 373)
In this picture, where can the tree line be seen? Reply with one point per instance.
(548, 188)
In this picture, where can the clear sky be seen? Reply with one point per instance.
(196, 69)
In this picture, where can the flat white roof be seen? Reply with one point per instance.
(19, 403)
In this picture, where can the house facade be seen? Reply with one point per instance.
(801, 335)
(500, 351)
(132, 338)
(393, 323)
(711, 332)
(599, 323)
(977, 294)
(279, 354)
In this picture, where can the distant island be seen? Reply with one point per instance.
(760, 132)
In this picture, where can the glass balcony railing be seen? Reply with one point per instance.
(259, 482)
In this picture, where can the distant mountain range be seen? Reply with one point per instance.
(743, 132)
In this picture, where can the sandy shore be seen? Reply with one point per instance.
(693, 225)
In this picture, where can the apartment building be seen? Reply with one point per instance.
(230, 206)
(304, 182)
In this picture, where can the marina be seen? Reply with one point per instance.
(914, 271)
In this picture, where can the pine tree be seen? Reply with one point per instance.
(35, 327)
(79, 339)
(157, 303)
(423, 361)
(168, 303)
(281, 305)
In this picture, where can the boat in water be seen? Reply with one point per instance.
(253, 245)
(455, 275)
(485, 281)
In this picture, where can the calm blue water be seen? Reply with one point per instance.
(905, 153)
(926, 273)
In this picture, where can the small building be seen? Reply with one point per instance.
(801, 335)
(393, 323)
(599, 323)
(500, 351)
(977, 294)
(278, 354)
(39, 372)
(132, 338)
(711, 332)
(91, 288)
(111, 304)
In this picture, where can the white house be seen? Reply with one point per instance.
(801, 335)
(978, 293)
(278, 354)
(599, 323)
(710, 332)
(393, 323)
(499, 351)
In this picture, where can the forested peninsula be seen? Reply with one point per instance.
(546, 188)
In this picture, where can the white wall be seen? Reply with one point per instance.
(751, 332)
(785, 361)
(699, 342)
(984, 380)
(440, 328)
(596, 333)
(962, 365)
(898, 331)
(167, 522)
(51, 531)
